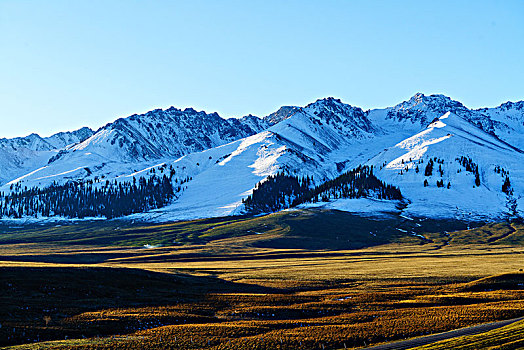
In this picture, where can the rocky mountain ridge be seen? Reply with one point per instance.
(221, 160)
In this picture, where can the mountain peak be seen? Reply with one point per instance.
(433, 99)
(281, 114)
(519, 106)
(351, 121)
(328, 101)
(221, 160)
(190, 110)
(334, 106)
(422, 108)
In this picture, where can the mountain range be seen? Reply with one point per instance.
(447, 160)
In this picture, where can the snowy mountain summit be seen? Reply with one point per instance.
(422, 109)
(429, 156)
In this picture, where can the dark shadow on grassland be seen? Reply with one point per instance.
(69, 258)
(507, 281)
(39, 303)
(339, 230)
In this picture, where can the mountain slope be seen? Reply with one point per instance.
(508, 121)
(314, 141)
(283, 113)
(505, 121)
(214, 163)
(24, 154)
(161, 133)
(456, 151)
(131, 144)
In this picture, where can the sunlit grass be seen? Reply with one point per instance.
(506, 338)
(232, 285)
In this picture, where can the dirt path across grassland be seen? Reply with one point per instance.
(411, 343)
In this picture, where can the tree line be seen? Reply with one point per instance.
(282, 191)
(77, 199)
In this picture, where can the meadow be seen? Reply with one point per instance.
(291, 280)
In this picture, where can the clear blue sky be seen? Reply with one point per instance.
(66, 64)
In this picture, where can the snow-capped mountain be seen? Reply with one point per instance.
(421, 109)
(453, 168)
(24, 154)
(35, 142)
(505, 121)
(508, 121)
(216, 163)
(318, 140)
(163, 133)
(129, 144)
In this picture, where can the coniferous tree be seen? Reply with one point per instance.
(283, 191)
(429, 168)
(506, 186)
(78, 199)
(477, 177)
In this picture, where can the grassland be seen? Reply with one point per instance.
(293, 280)
(506, 338)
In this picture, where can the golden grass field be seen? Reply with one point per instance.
(99, 287)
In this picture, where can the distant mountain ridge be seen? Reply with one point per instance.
(221, 160)
(35, 142)
(23, 153)
(171, 132)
